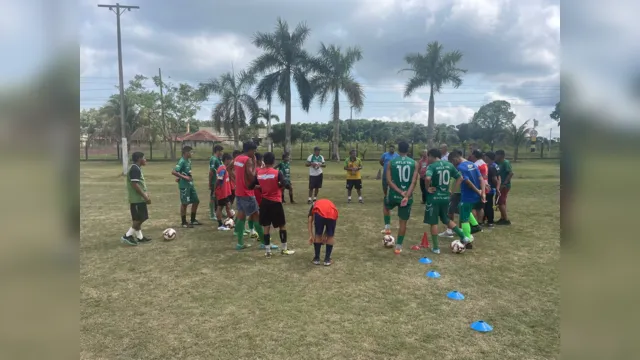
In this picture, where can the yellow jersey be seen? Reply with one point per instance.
(357, 163)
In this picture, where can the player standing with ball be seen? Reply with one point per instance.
(315, 163)
(138, 200)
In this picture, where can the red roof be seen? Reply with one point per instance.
(201, 135)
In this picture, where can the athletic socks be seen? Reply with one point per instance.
(349, 198)
(260, 232)
(360, 198)
(267, 243)
(283, 239)
(184, 219)
(434, 242)
(472, 220)
(459, 232)
(240, 231)
(400, 239)
(131, 232)
(316, 248)
(139, 234)
(466, 229)
(193, 217)
(212, 211)
(387, 221)
(327, 255)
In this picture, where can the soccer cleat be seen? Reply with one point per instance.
(246, 232)
(348, 201)
(468, 246)
(435, 251)
(129, 240)
(195, 222)
(386, 231)
(447, 233)
(267, 255)
(253, 234)
(397, 251)
(272, 246)
(309, 202)
(503, 222)
(476, 229)
(287, 252)
(328, 262)
(242, 247)
(361, 201)
(223, 228)
(187, 226)
(490, 226)
(316, 261)
(144, 240)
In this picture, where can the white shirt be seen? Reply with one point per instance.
(445, 157)
(315, 159)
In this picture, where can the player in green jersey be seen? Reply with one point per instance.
(437, 178)
(285, 167)
(138, 200)
(188, 194)
(214, 163)
(402, 177)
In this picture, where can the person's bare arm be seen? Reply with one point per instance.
(323, 164)
(472, 186)
(413, 183)
(390, 183)
(177, 174)
(139, 190)
(249, 174)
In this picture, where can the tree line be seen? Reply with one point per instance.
(162, 113)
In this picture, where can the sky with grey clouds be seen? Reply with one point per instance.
(511, 49)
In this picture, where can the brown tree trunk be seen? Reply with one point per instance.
(335, 151)
(431, 121)
(515, 152)
(287, 115)
(86, 149)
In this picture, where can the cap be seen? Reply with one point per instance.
(317, 148)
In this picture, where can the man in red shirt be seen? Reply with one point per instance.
(325, 216)
(245, 174)
(223, 191)
(476, 158)
(271, 182)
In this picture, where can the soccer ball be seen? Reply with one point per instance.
(388, 241)
(229, 223)
(169, 234)
(457, 247)
(232, 214)
(253, 235)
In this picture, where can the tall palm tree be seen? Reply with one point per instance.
(236, 107)
(111, 112)
(268, 116)
(434, 69)
(334, 76)
(284, 59)
(517, 135)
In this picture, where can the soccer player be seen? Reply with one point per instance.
(138, 200)
(471, 192)
(271, 182)
(423, 163)
(506, 173)
(315, 163)
(384, 161)
(494, 185)
(437, 177)
(476, 157)
(402, 177)
(353, 165)
(214, 163)
(223, 191)
(285, 167)
(232, 174)
(188, 194)
(322, 220)
(245, 174)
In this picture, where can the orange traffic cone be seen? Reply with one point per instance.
(424, 243)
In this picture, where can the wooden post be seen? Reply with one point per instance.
(301, 156)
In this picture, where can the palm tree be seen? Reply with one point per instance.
(236, 105)
(284, 59)
(434, 69)
(111, 112)
(517, 135)
(268, 116)
(334, 76)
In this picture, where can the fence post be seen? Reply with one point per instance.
(301, 142)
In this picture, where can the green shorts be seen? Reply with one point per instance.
(189, 196)
(465, 211)
(404, 213)
(436, 210)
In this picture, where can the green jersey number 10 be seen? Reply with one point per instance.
(404, 173)
(445, 176)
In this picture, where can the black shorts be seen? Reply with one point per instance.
(324, 226)
(232, 197)
(271, 213)
(354, 184)
(315, 182)
(454, 201)
(287, 185)
(139, 212)
(478, 206)
(223, 202)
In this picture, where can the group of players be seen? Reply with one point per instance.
(256, 186)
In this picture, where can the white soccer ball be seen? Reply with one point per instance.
(457, 247)
(169, 234)
(229, 223)
(388, 241)
(254, 235)
(232, 214)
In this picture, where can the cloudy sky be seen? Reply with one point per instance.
(511, 49)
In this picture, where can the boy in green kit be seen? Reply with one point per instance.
(138, 200)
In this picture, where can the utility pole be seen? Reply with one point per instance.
(119, 10)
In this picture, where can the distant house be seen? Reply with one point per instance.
(262, 133)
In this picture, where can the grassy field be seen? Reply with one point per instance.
(198, 298)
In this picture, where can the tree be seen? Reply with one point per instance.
(283, 59)
(445, 134)
(91, 126)
(181, 104)
(434, 69)
(517, 135)
(493, 118)
(268, 116)
(279, 135)
(111, 112)
(555, 114)
(334, 76)
(236, 108)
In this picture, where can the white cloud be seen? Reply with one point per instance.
(205, 51)
(92, 61)
(482, 14)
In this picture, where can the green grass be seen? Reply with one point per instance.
(198, 298)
